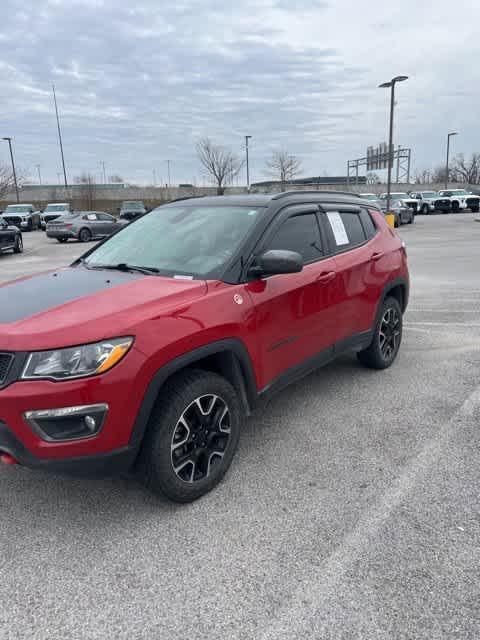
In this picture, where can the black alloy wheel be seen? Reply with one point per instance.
(387, 337)
(200, 438)
(18, 248)
(390, 333)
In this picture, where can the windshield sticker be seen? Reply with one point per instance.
(338, 228)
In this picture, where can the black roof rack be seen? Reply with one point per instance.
(316, 192)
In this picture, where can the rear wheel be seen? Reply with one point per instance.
(85, 235)
(18, 248)
(191, 437)
(387, 337)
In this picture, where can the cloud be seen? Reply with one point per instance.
(140, 84)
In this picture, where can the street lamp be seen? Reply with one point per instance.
(391, 85)
(39, 174)
(247, 138)
(9, 140)
(453, 133)
(168, 169)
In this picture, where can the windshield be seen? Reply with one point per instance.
(55, 207)
(460, 192)
(429, 194)
(17, 208)
(194, 241)
(133, 206)
(369, 196)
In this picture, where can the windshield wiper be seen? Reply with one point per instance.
(123, 266)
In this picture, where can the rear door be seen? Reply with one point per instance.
(295, 313)
(93, 223)
(355, 240)
(108, 223)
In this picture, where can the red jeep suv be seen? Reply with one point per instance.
(147, 353)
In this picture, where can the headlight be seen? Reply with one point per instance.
(76, 362)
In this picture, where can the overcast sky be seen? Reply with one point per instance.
(140, 82)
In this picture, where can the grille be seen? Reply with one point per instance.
(6, 360)
(13, 219)
(442, 203)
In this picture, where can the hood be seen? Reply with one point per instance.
(77, 305)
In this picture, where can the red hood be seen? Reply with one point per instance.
(76, 306)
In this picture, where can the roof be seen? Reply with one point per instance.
(264, 199)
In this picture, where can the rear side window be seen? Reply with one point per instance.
(347, 229)
(300, 234)
(368, 224)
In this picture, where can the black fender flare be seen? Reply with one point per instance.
(402, 282)
(238, 366)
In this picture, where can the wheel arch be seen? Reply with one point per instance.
(229, 358)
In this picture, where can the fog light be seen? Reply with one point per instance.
(68, 423)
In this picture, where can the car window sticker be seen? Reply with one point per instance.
(338, 228)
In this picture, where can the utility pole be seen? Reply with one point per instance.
(391, 85)
(247, 138)
(154, 175)
(60, 137)
(447, 170)
(39, 174)
(9, 140)
(104, 172)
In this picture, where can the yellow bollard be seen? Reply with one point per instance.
(390, 218)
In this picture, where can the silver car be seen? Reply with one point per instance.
(83, 226)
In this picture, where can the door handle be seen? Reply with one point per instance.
(377, 255)
(326, 276)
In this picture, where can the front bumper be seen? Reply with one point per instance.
(111, 449)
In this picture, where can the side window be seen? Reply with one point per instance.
(105, 217)
(368, 224)
(300, 234)
(347, 229)
(91, 217)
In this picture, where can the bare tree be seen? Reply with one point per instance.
(88, 188)
(7, 183)
(221, 164)
(438, 174)
(116, 178)
(422, 176)
(467, 171)
(283, 167)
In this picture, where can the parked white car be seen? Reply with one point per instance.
(461, 199)
(53, 211)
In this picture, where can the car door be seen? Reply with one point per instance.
(358, 254)
(108, 224)
(295, 313)
(93, 223)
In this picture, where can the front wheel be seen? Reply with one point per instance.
(18, 248)
(191, 437)
(475, 209)
(387, 337)
(425, 209)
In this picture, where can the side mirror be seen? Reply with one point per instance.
(275, 262)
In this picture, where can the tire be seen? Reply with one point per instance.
(18, 248)
(177, 406)
(455, 207)
(377, 356)
(85, 235)
(412, 219)
(397, 222)
(425, 209)
(62, 240)
(475, 209)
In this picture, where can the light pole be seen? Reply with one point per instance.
(247, 138)
(168, 166)
(9, 140)
(391, 85)
(453, 133)
(104, 172)
(60, 137)
(39, 174)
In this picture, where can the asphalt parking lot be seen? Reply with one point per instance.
(351, 511)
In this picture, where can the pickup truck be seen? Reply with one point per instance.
(22, 216)
(53, 211)
(430, 201)
(404, 197)
(461, 199)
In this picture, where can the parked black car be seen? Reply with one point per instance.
(10, 238)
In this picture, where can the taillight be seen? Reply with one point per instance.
(68, 226)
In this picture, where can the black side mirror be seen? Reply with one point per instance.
(276, 261)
